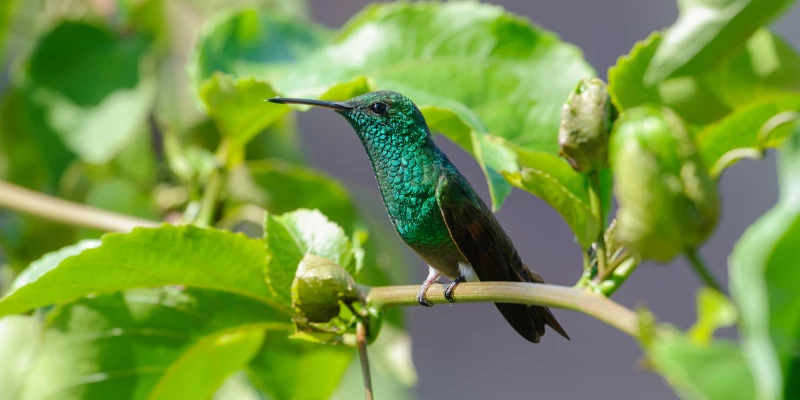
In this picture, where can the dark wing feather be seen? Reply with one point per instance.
(490, 252)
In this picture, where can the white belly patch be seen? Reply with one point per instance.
(467, 272)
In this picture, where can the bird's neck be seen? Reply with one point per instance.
(407, 173)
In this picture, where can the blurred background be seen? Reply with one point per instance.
(467, 351)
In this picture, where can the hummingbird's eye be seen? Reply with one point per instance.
(379, 107)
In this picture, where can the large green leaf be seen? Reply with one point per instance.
(719, 143)
(471, 68)
(150, 257)
(249, 42)
(707, 31)
(19, 344)
(148, 344)
(90, 82)
(702, 372)
(285, 368)
(764, 279)
(762, 69)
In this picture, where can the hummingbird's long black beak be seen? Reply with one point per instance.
(333, 105)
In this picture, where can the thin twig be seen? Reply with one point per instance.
(54, 209)
(596, 203)
(702, 271)
(591, 304)
(361, 337)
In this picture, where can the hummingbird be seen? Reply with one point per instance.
(433, 207)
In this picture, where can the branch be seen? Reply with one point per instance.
(40, 205)
(591, 304)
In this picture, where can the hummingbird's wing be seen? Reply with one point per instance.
(490, 252)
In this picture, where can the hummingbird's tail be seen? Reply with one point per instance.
(529, 321)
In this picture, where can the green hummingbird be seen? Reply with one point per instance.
(433, 207)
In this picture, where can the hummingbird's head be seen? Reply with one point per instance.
(378, 117)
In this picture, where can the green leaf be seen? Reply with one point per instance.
(489, 70)
(250, 42)
(238, 107)
(50, 261)
(721, 144)
(764, 280)
(714, 371)
(714, 311)
(161, 343)
(765, 68)
(552, 179)
(97, 85)
(19, 344)
(151, 257)
(292, 236)
(292, 369)
(707, 31)
(689, 96)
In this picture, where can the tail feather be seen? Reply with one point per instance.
(530, 321)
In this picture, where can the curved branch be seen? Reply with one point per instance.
(40, 205)
(591, 304)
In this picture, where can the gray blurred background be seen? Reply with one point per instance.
(467, 351)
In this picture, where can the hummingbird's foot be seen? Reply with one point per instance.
(448, 293)
(433, 275)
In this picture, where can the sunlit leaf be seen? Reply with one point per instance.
(707, 31)
(150, 257)
(763, 69)
(249, 42)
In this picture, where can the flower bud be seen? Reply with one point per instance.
(318, 291)
(667, 201)
(586, 120)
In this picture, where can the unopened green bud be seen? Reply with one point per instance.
(586, 120)
(319, 289)
(667, 201)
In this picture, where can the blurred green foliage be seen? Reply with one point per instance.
(155, 109)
